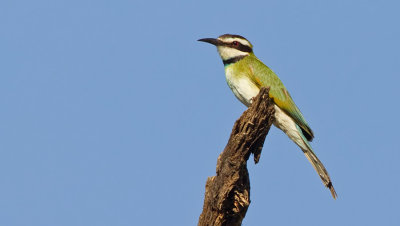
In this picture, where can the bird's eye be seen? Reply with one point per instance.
(235, 43)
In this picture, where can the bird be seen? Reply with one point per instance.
(246, 74)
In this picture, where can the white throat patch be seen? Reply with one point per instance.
(227, 52)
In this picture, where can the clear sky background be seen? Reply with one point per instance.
(113, 114)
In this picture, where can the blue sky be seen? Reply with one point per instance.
(113, 114)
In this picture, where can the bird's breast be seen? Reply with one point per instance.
(241, 85)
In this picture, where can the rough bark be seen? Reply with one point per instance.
(227, 195)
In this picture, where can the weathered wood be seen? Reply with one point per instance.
(227, 195)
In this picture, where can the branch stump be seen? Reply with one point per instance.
(227, 195)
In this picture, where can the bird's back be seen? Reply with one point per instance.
(263, 76)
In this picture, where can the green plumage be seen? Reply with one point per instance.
(262, 75)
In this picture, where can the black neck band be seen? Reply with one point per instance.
(233, 60)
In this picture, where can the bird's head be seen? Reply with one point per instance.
(230, 46)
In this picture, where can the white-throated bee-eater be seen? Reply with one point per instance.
(245, 74)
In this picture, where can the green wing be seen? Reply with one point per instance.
(264, 76)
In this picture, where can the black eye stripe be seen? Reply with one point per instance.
(244, 48)
(240, 47)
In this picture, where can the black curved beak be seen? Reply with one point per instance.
(210, 40)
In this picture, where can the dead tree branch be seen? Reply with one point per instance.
(227, 195)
